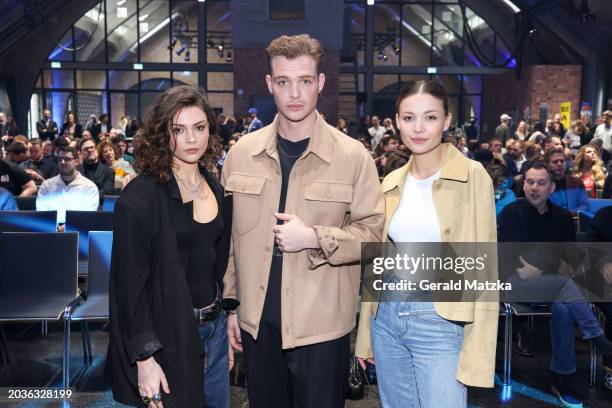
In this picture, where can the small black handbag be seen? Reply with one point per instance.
(356, 381)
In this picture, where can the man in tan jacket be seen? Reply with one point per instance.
(305, 197)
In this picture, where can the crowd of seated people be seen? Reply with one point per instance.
(90, 161)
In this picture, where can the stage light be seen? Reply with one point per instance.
(187, 56)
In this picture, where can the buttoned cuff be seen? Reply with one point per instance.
(328, 245)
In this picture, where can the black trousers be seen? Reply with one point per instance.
(312, 376)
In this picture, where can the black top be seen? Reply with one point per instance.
(600, 227)
(288, 153)
(13, 177)
(47, 168)
(102, 175)
(151, 312)
(199, 246)
(522, 222)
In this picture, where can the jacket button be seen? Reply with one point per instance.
(447, 231)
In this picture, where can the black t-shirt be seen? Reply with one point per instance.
(288, 153)
(46, 167)
(13, 177)
(201, 242)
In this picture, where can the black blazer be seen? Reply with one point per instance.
(150, 304)
(49, 133)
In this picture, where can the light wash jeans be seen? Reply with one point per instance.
(416, 353)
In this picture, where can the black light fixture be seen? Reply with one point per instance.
(385, 57)
(380, 54)
(187, 56)
(229, 56)
(181, 50)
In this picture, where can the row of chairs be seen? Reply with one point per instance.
(29, 203)
(44, 287)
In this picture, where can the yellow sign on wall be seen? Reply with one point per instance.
(565, 111)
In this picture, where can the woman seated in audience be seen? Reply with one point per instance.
(388, 124)
(573, 137)
(123, 170)
(71, 127)
(590, 169)
(521, 131)
(502, 185)
(342, 126)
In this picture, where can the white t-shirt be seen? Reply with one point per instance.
(415, 219)
(55, 195)
(604, 133)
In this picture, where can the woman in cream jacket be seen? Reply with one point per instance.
(428, 352)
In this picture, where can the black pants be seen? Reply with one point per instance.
(312, 376)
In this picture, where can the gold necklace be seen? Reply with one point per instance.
(196, 190)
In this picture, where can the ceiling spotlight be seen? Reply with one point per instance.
(396, 49)
(229, 56)
(220, 50)
(172, 44)
(181, 50)
(533, 32)
(220, 47)
(385, 58)
(187, 56)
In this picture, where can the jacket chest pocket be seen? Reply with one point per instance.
(327, 203)
(247, 199)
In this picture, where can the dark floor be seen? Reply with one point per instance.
(36, 362)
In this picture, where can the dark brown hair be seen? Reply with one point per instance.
(152, 153)
(294, 46)
(551, 152)
(432, 88)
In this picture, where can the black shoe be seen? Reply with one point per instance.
(523, 344)
(563, 387)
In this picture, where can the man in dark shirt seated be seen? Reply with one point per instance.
(600, 230)
(569, 191)
(537, 219)
(17, 153)
(16, 180)
(91, 167)
(37, 166)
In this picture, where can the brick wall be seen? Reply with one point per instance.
(550, 84)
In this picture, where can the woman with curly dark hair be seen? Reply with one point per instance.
(168, 342)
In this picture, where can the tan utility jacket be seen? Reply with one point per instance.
(333, 187)
(465, 205)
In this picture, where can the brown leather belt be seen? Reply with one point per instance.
(208, 313)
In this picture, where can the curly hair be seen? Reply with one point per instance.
(152, 152)
(597, 168)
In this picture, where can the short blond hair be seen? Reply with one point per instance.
(294, 46)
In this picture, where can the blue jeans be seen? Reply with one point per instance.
(416, 353)
(213, 335)
(565, 315)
